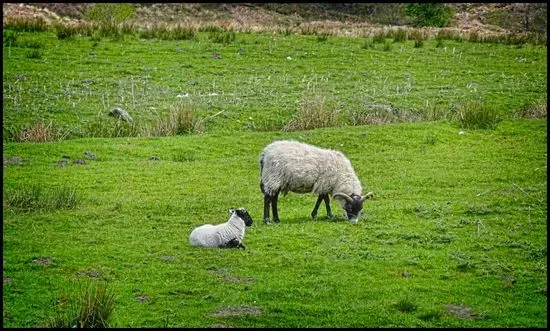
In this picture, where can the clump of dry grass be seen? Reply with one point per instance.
(381, 114)
(534, 110)
(181, 120)
(313, 114)
(37, 132)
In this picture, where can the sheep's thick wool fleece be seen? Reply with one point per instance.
(291, 166)
(209, 235)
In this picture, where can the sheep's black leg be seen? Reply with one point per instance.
(274, 207)
(327, 204)
(314, 212)
(233, 243)
(267, 200)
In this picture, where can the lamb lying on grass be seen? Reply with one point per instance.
(226, 235)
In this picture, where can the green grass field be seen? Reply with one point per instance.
(456, 235)
(259, 81)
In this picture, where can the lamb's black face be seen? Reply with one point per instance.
(243, 214)
(353, 209)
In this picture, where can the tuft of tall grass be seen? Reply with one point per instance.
(210, 28)
(107, 127)
(405, 306)
(322, 37)
(416, 34)
(418, 43)
(35, 197)
(181, 120)
(534, 110)
(93, 308)
(448, 34)
(380, 114)
(32, 24)
(369, 43)
(399, 35)
(478, 115)
(222, 37)
(37, 132)
(65, 31)
(379, 37)
(387, 46)
(9, 37)
(26, 198)
(163, 32)
(313, 114)
(34, 54)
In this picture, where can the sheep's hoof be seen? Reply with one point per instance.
(276, 220)
(330, 217)
(266, 221)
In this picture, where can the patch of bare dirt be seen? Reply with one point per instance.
(142, 298)
(238, 311)
(460, 311)
(90, 273)
(43, 261)
(16, 160)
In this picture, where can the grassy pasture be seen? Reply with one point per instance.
(456, 235)
(258, 82)
(456, 220)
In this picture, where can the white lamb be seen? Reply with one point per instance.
(291, 166)
(226, 235)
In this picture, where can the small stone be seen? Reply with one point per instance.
(405, 274)
(90, 155)
(121, 114)
(62, 163)
(79, 161)
(142, 298)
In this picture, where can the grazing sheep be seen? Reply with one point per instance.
(226, 235)
(291, 166)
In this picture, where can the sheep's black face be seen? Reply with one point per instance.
(243, 214)
(353, 208)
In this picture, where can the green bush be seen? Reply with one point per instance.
(111, 13)
(430, 14)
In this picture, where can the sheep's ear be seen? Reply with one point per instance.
(367, 196)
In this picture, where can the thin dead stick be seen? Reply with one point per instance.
(478, 228)
(216, 114)
(478, 195)
(517, 186)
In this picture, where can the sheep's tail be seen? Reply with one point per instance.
(261, 171)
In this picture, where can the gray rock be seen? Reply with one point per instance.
(121, 114)
(90, 155)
